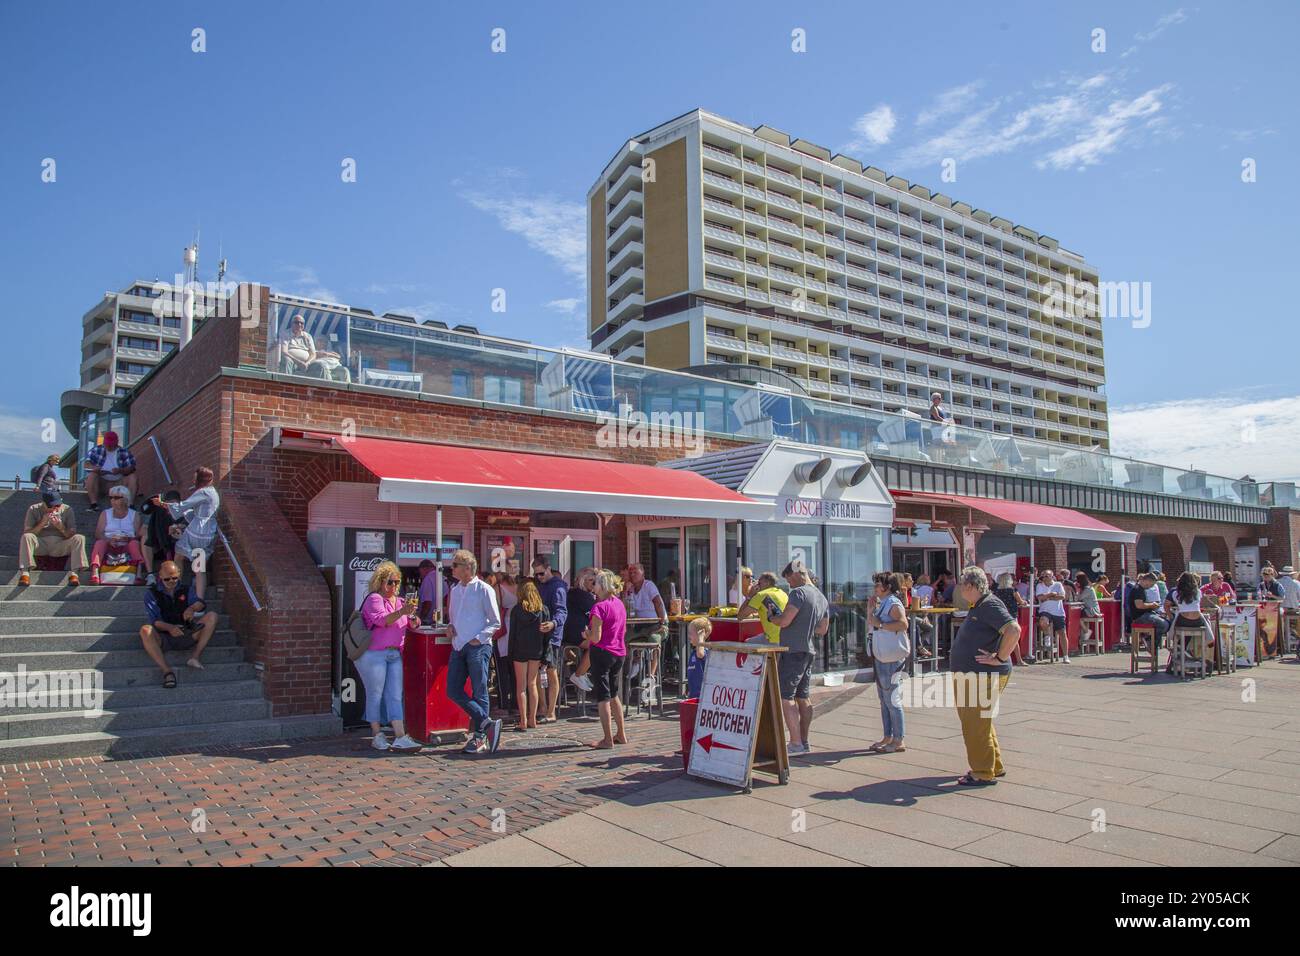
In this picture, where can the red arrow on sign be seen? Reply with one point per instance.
(708, 743)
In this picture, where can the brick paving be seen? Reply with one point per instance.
(333, 802)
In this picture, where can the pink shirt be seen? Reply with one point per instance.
(613, 625)
(373, 611)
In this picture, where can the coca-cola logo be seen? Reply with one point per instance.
(365, 564)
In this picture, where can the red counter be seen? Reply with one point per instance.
(427, 708)
(731, 629)
(1072, 614)
(1114, 627)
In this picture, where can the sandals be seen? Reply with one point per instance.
(893, 749)
(969, 780)
(879, 745)
(169, 679)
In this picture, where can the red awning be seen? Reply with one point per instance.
(1031, 520)
(420, 473)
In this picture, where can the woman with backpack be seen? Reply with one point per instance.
(387, 617)
(890, 648)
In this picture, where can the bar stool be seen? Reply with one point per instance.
(1181, 637)
(1225, 651)
(643, 652)
(1095, 642)
(1136, 656)
(1051, 656)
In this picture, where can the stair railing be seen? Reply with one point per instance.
(221, 535)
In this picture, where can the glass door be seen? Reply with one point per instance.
(853, 555)
(699, 588)
(568, 551)
(660, 552)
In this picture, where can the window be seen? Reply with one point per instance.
(135, 342)
(504, 389)
(460, 385)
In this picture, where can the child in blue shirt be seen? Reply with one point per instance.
(700, 628)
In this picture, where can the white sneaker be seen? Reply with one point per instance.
(582, 682)
(1065, 660)
(381, 742)
(406, 742)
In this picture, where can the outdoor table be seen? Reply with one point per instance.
(427, 709)
(1110, 614)
(1072, 614)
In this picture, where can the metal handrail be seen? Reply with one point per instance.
(221, 535)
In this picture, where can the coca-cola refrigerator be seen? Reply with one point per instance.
(354, 554)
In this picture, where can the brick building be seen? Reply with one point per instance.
(220, 402)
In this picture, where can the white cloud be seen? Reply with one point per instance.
(552, 226)
(1228, 435)
(1077, 121)
(1107, 131)
(874, 128)
(1164, 23)
(948, 102)
(303, 282)
(21, 438)
(573, 328)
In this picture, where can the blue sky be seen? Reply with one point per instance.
(472, 166)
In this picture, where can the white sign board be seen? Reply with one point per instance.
(1240, 622)
(727, 719)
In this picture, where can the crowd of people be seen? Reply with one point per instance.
(165, 545)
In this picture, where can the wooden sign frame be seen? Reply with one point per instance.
(767, 744)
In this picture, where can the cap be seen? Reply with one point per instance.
(1288, 570)
(52, 498)
(110, 438)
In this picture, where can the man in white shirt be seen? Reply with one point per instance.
(1049, 595)
(645, 602)
(474, 618)
(1290, 602)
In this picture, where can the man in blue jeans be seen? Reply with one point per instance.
(474, 617)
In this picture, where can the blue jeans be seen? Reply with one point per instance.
(470, 662)
(381, 673)
(891, 707)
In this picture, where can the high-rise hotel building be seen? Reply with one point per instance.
(711, 242)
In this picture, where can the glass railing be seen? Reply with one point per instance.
(351, 348)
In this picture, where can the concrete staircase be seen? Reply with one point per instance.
(49, 627)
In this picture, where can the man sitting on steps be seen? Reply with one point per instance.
(50, 528)
(178, 621)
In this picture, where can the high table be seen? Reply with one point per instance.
(428, 711)
(1072, 615)
(941, 637)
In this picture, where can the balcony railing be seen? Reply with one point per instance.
(452, 364)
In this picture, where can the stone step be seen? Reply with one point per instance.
(184, 739)
(108, 660)
(37, 623)
(175, 716)
(117, 641)
(85, 594)
(122, 698)
(134, 676)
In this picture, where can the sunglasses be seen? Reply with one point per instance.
(117, 497)
(171, 580)
(393, 581)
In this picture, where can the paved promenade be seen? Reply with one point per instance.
(1180, 773)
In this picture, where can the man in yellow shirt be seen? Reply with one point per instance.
(763, 591)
